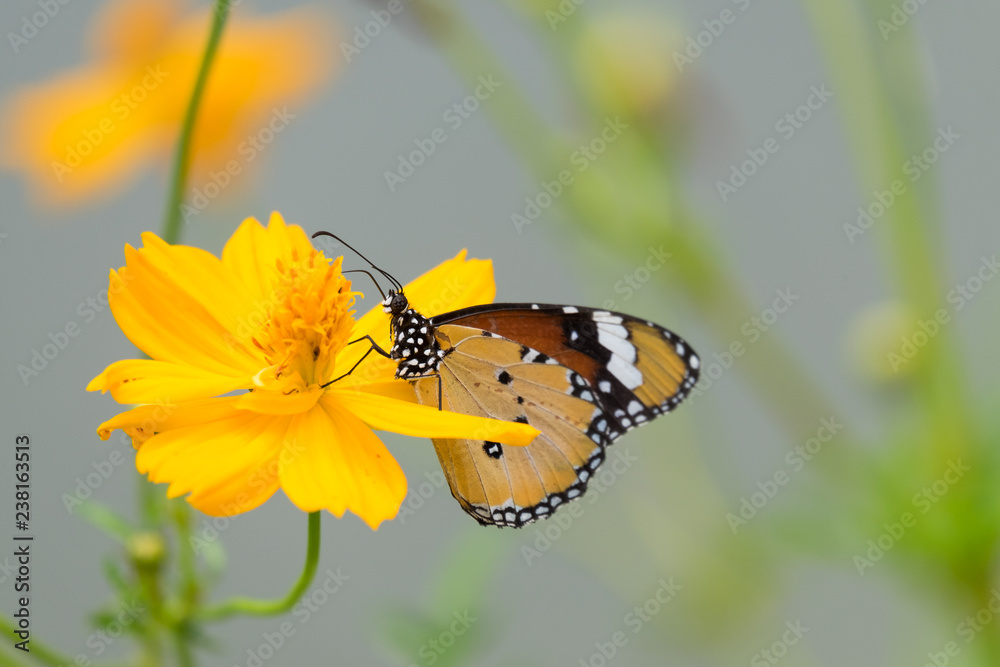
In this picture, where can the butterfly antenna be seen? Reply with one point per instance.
(368, 273)
(395, 283)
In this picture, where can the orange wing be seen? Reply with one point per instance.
(511, 486)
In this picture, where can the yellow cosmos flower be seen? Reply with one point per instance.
(273, 316)
(87, 131)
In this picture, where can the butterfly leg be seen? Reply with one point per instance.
(374, 346)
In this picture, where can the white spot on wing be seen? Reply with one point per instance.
(569, 310)
(618, 346)
(606, 317)
(695, 362)
(627, 374)
(614, 329)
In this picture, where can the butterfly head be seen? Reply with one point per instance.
(395, 303)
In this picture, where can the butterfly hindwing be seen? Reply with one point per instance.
(488, 375)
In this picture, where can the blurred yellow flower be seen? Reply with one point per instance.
(88, 131)
(272, 317)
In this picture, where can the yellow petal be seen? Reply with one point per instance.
(144, 421)
(149, 381)
(389, 414)
(400, 390)
(277, 403)
(177, 304)
(252, 253)
(456, 283)
(226, 459)
(333, 461)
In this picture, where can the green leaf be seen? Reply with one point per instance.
(106, 520)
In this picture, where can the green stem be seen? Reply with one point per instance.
(188, 587)
(881, 101)
(39, 651)
(182, 160)
(188, 583)
(257, 607)
(185, 658)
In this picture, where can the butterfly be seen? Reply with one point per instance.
(582, 376)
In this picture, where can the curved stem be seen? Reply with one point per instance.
(182, 160)
(256, 607)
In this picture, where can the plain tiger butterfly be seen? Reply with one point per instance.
(582, 376)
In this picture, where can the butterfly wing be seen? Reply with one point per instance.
(582, 377)
(499, 485)
(637, 369)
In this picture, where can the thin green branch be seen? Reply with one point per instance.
(257, 607)
(862, 76)
(182, 160)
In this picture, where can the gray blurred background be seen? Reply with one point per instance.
(784, 229)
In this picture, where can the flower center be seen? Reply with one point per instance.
(308, 324)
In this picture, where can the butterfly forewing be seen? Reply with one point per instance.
(636, 369)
